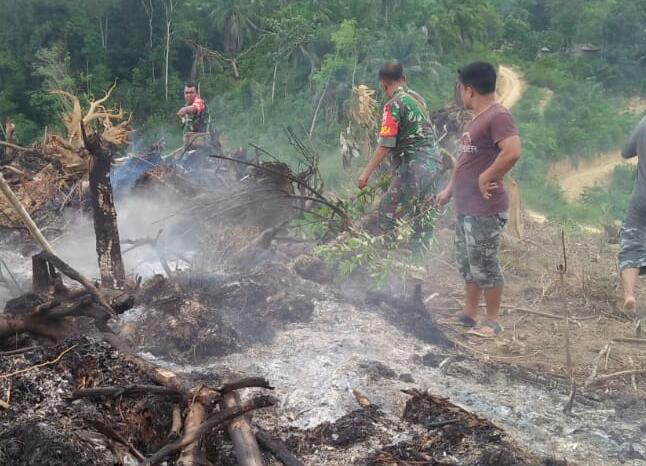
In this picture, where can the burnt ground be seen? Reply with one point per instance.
(280, 317)
(43, 426)
(220, 316)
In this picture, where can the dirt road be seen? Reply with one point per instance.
(510, 86)
(575, 179)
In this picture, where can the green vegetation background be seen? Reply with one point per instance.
(291, 55)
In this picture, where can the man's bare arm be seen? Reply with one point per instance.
(507, 158)
(188, 109)
(509, 155)
(444, 196)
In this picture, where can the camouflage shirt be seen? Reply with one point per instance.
(197, 122)
(406, 127)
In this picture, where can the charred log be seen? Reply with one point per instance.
(217, 420)
(47, 319)
(108, 247)
(241, 433)
(277, 447)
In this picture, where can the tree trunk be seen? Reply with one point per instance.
(108, 247)
(169, 8)
(273, 83)
(166, 58)
(318, 106)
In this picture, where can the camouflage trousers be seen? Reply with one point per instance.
(411, 190)
(476, 249)
(632, 238)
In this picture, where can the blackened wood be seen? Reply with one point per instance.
(277, 448)
(108, 247)
(216, 420)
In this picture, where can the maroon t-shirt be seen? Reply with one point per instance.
(478, 150)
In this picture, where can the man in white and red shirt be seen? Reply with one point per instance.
(195, 115)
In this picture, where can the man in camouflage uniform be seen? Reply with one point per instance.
(195, 118)
(632, 236)
(195, 115)
(408, 136)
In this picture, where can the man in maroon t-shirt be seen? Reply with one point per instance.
(490, 147)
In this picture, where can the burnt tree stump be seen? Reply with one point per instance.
(108, 246)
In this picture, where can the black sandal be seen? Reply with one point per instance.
(486, 324)
(465, 319)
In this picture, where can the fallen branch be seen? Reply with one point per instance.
(630, 340)
(65, 269)
(595, 366)
(18, 351)
(111, 433)
(567, 409)
(277, 448)
(241, 434)
(250, 382)
(168, 378)
(194, 419)
(13, 146)
(319, 197)
(216, 420)
(38, 366)
(46, 318)
(493, 356)
(176, 425)
(24, 215)
(118, 391)
(545, 314)
(604, 378)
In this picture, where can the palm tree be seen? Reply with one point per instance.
(237, 19)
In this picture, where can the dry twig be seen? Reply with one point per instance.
(38, 366)
(18, 351)
(595, 366)
(567, 409)
(604, 378)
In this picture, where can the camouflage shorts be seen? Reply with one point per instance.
(476, 249)
(632, 241)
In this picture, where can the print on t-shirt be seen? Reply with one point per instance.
(465, 144)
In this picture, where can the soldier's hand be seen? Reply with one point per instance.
(181, 112)
(362, 182)
(442, 198)
(486, 187)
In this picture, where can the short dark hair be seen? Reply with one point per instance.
(391, 71)
(190, 84)
(479, 75)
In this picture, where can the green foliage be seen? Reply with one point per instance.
(611, 199)
(380, 255)
(293, 55)
(390, 254)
